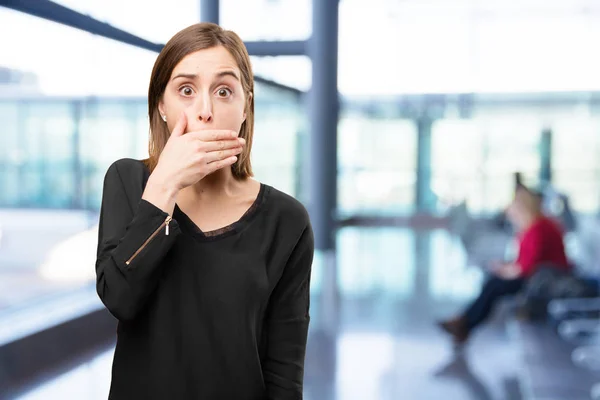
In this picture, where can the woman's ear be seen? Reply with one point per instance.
(161, 109)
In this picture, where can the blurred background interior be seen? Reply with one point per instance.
(399, 124)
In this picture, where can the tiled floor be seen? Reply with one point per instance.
(379, 341)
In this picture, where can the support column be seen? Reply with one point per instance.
(422, 267)
(323, 106)
(424, 196)
(209, 11)
(546, 157)
(323, 110)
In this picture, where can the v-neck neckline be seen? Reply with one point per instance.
(227, 230)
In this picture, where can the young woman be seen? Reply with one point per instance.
(206, 269)
(540, 243)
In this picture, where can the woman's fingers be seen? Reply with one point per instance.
(215, 156)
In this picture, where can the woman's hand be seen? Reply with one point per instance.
(508, 271)
(187, 158)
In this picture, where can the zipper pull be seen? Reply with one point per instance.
(167, 225)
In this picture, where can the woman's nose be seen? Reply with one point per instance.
(204, 110)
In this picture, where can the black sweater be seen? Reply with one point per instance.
(202, 316)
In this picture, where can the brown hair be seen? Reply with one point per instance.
(191, 39)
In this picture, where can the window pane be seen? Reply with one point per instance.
(153, 20)
(374, 261)
(70, 62)
(456, 159)
(48, 155)
(290, 71)
(476, 159)
(268, 19)
(483, 46)
(277, 139)
(157, 20)
(377, 159)
(575, 158)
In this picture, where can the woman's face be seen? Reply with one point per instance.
(206, 85)
(514, 212)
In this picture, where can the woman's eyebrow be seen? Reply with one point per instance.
(228, 72)
(219, 74)
(183, 75)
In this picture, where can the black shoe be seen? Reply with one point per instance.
(456, 327)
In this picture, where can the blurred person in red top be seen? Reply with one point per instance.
(540, 243)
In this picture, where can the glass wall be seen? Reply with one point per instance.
(55, 152)
(63, 61)
(268, 19)
(475, 159)
(576, 160)
(377, 159)
(370, 269)
(152, 20)
(477, 145)
(468, 46)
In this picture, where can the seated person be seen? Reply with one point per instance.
(540, 242)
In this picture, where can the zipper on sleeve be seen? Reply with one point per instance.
(165, 225)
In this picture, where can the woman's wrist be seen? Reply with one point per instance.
(160, 193)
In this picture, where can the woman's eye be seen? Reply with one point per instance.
(186, 91)
(223, 92)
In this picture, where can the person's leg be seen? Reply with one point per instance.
(461, 326)
(493, 289)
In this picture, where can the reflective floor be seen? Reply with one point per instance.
(375, 337)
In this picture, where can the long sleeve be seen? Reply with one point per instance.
(530, 253)
(542, 244)
(287, 324)
(133, 238)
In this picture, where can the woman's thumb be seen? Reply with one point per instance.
(180, 126)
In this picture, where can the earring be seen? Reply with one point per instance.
(164, 117)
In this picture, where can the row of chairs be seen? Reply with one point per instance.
(578, 321)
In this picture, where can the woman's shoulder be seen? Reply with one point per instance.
(131, 172)
(128, 166)
(285, 206)
(546, 226)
